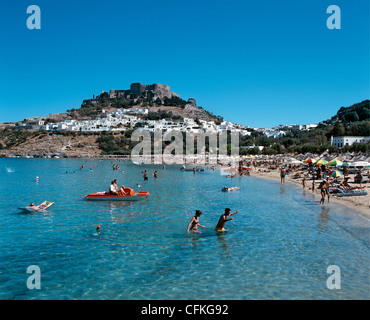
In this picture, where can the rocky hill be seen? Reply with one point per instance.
(158, 98)
(39, 144)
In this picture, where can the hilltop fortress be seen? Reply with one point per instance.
(152, 91)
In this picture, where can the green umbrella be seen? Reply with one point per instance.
(334, 163)
(345, 164)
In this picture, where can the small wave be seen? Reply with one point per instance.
(9, 170)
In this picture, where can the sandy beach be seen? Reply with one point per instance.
(359, 203)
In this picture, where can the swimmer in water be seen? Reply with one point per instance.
(194, 222)
(223, 219)
(227, 189)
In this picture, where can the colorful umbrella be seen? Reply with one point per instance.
(334, 163)
(309, 160)
(335, 173)
(321, 162)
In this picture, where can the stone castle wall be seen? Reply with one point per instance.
(156, 90)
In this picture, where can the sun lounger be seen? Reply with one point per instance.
(345, 193)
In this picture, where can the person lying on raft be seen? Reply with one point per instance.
(223, 219)
(32, 206)
(226, 189)
(194, 222)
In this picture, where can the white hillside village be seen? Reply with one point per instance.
(123, 119)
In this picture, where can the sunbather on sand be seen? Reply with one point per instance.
(346, 185)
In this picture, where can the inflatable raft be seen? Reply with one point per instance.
(130, 195)
(41, 207)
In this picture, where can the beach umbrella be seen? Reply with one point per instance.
(345, 164)
(334, 163)
(295, 162)
(336, 173)
(309, 160)
(321, 162)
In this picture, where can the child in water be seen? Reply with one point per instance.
(223, 219)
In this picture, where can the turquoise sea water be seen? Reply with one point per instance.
(278, 247)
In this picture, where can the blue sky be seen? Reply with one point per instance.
(257, 63)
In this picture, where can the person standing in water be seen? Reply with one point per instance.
(194, 222)
(155, 174)
(282, 175)
(324, 186)
(145, 175)
(223, 219)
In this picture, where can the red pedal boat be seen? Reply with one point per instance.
(130, 195)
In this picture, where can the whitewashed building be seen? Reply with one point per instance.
(343, 141)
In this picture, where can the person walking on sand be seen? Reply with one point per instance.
(223, 219)
(194, 222)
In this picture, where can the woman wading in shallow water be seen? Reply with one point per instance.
(194, 222)
(324, 187)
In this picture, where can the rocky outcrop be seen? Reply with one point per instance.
(156, 90)
(191, 104)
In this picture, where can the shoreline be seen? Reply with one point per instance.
(358, 203)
